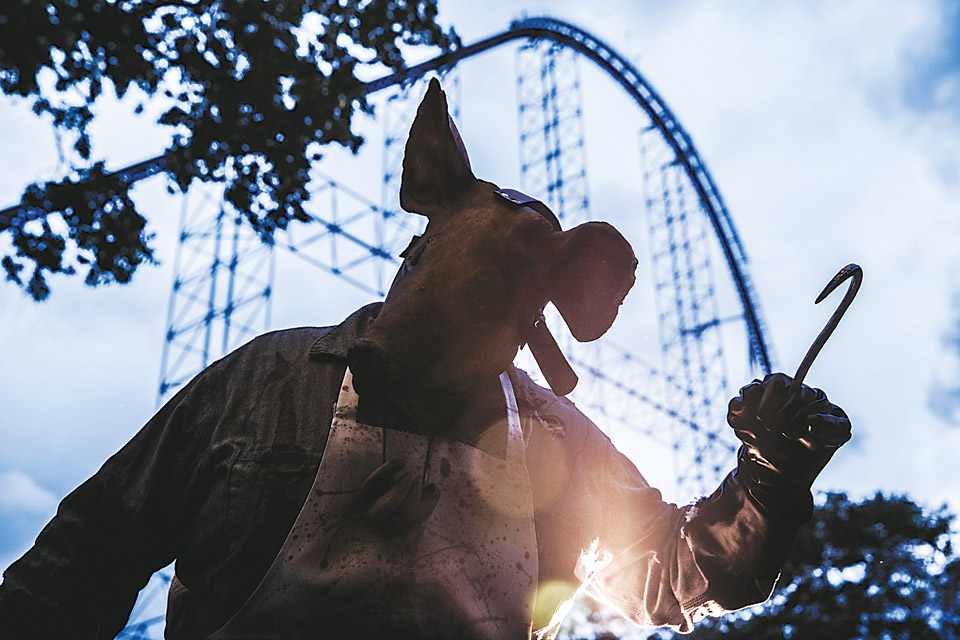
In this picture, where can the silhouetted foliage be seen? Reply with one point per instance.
(880, 569)
(254, 87)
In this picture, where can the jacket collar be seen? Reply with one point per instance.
(336, 340)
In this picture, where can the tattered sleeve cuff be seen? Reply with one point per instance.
(724, 555)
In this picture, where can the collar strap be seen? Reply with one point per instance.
(523, 200)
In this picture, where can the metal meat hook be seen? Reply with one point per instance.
(850, 271)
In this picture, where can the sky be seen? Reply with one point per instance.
(831, 130)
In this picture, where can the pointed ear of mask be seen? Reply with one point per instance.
(436, 169)
(595, 269)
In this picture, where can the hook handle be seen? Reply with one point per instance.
(850, 271)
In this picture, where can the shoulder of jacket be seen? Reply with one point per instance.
(292, 345)
(558, 415)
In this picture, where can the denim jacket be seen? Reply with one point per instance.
(216, 478)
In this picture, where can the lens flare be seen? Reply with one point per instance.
(558, 594)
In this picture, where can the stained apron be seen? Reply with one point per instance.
(469, 572)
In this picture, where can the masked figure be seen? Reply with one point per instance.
(396, 476)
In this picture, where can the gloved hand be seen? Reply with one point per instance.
(787, 440)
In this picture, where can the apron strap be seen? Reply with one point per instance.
(348, 401)
(516, 447)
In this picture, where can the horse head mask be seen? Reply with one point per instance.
(472, 288)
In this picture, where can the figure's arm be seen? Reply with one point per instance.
(745, 527)
(82, 576)
(673, 566)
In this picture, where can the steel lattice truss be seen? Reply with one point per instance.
(552, 156)
(684, 292)
(221, 287)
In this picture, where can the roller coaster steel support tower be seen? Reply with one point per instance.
(662, 119)
(632, 82)
(221, 291)
(688, 315)
(223, 277)
(616, 386)
(553, 163)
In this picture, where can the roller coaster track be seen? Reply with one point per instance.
(663, 119)
(633, 83)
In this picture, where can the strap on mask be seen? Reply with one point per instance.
(553, 364)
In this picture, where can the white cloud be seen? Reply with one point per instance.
(21, 493)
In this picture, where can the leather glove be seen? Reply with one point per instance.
(787, 440)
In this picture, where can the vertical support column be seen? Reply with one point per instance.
(553, 163)
(553, 168)
(690, 337)
(223, 279)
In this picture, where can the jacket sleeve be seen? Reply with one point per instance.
(657, 563)
(81, 577)
(672, 566)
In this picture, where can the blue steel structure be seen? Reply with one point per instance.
(553, 163)
(223, 278)
(634, 84)
(662, 119)
(223, 284)
(617, 387)
(688, 314)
